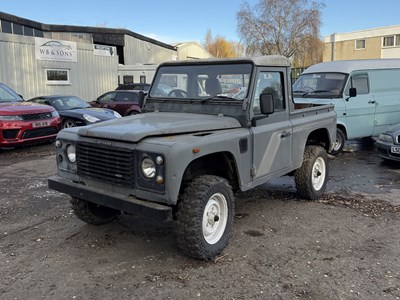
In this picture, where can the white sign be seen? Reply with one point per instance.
(48, 49)
(103, 50)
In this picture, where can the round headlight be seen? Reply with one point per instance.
(148, 167)
(71, 153)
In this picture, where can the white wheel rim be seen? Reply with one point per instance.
(338, 143)
(215, 218)
(318, 173)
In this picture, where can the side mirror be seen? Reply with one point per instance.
(353, 92)
(267, 106)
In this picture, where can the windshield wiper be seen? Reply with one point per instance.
(217, 97)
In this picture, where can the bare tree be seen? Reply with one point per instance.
(278, 26)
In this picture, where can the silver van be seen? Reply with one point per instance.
(366, 95)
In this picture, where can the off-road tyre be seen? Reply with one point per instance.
(205, 217)
(311, 178)
(339, 143)
(92, 213)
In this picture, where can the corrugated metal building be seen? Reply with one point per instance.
(41, 59)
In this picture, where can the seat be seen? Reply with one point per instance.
(213, 86)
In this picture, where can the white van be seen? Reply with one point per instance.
(366, 95)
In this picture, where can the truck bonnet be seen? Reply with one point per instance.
(135, 128)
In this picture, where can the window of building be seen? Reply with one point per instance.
(128, 79)
(38, 33)
(142, 78)
(391, 41)
(360, 44)
(17, 29)
(57, 76)
(6, 26)
(28, 31)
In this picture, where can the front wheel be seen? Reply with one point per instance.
(68, 123)
(93, 213)
(311, 178)
(339, 143)
(205, 217)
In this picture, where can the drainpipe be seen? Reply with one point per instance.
(333, 46)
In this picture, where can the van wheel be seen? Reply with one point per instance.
(68, 123)
(311, 178)
(339, 143)
(93, 213)
(205, 217)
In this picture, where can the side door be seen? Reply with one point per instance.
(105, 100)
(360, 110)
(386, 90)
(272, 134)
(123, 102)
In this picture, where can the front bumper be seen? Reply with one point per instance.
(384, 150)
(127, 204)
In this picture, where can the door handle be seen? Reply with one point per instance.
(371, 102)
(285, 134)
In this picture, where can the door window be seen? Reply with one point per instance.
(271, 83)
(360, 82)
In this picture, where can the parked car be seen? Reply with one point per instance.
(124, 102)
(134, 86)
(75, 111)
(388, 143)
(24, 123)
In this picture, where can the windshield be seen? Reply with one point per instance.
(202, 82)
(8, 95)
(320, 85)
(67, 102)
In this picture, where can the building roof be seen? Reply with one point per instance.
(82, 29)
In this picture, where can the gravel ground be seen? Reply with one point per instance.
(343, 246)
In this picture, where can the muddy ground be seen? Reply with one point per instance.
(344, 246)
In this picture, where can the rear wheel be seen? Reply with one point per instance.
(311, 178)
(205, 217)
(92, 213)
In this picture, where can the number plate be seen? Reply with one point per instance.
(40, 124)
(395, 149)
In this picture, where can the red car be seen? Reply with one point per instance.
(23, 123)
(125, 102)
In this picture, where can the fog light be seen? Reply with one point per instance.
(58, 143)
(159, 160)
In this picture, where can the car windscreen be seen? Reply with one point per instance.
(320, 85)
(200, 82)
(8, 95)
(69, 102)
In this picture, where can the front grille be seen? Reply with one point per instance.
(10, 133)
(106, 163)
(39, 132)
(41, 116)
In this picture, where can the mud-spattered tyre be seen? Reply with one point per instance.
(339, 143)
(205, 217)
(311, 178)
(92, 213)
